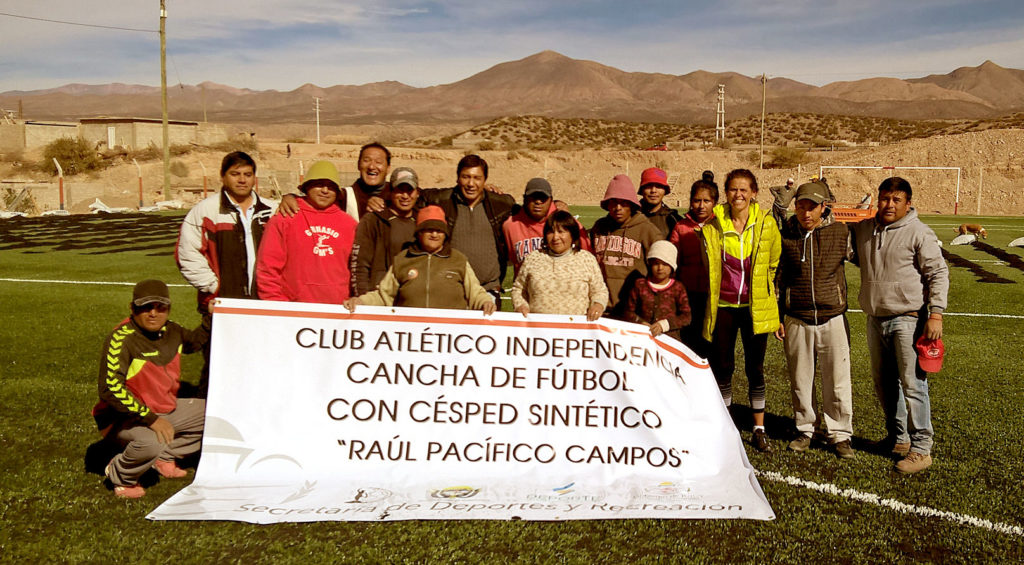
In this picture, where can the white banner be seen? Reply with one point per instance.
(315, 413)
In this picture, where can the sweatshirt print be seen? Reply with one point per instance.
(305, 258)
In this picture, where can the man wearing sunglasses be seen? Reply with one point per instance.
(139, 376)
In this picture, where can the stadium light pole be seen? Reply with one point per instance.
(163, 98)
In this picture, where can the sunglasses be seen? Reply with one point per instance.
(153, 306)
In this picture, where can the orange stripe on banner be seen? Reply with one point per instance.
(432, 320)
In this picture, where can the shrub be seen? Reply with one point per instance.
(485, 145)
(75, 155)
(786, 158)
(179, 168)
(242, 142)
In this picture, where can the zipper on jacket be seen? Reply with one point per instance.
(428, 280)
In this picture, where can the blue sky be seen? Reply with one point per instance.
(277, 44)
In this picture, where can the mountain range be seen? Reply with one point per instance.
(548, 84)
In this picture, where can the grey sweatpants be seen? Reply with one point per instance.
(826, 347)
(142, 448)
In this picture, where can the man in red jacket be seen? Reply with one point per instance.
(139, 376)
(305, 257)
(524, 231)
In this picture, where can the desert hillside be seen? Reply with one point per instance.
(546, 84)
(990, 159)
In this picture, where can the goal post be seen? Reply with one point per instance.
(893, 169)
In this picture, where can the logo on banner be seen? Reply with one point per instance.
(562, 491)
(455, 492)
(371, 494)
(666, 491)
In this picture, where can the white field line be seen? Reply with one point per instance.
(46, 281)
(893, 504)
(968, 314)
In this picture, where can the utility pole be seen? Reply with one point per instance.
(316, 106)
(764, 90)
(720, 115)
(163, 99)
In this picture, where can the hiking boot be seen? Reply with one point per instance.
(800, 444)
(844, 450)
(913, 463)
(889, 445)
(125, 491)
(760, 441)
(169, 469)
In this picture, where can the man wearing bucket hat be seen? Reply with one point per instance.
(139, 378)
(429, 273)
(305, 257)
(382, 235)
(621, 240)
(812, 291)
(904, 282)
(653, 189)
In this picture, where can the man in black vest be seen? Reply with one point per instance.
(812, 299)
(475, 217)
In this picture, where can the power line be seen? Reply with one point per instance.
(77, 23)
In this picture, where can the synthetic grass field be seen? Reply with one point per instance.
(53, 510)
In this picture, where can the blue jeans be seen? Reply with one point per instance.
(901, 386)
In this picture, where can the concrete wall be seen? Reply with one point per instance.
(19, 137)
(12, 137)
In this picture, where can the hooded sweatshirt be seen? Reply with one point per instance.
(305, 258)
(812, 278)
(622, 251)
(901, 267)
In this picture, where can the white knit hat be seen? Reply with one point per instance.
(663, 250)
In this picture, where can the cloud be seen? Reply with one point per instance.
(280, 44)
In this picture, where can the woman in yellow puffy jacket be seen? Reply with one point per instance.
(743, 247)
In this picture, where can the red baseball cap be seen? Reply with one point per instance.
(655, 176)
(929, 354)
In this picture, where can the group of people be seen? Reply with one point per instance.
(704, 277)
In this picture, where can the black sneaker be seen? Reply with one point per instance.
(760, 440)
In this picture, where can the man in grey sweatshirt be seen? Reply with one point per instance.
(904, 282)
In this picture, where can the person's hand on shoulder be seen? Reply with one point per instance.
(289, 206)
(375, 204)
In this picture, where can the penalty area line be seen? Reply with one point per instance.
(892, 504)
(44, 281)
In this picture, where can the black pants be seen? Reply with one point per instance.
(723, 354)
(693, 334)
